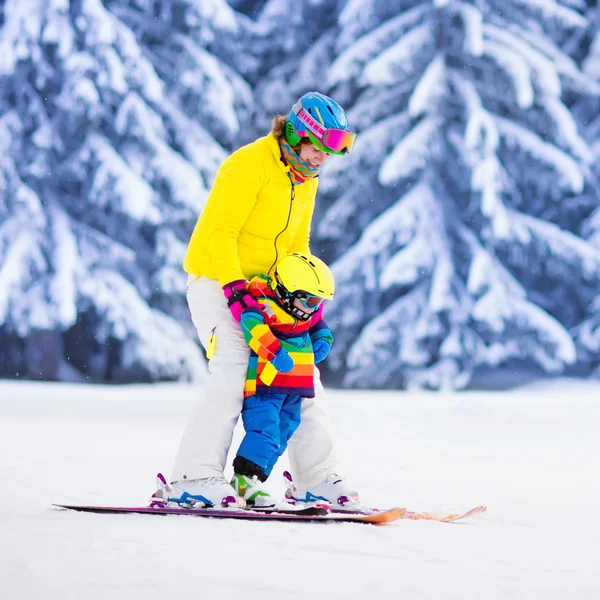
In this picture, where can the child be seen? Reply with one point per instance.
(287, 337)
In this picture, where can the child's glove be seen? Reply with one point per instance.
(321, 349)
(239, 298)
(282, 361)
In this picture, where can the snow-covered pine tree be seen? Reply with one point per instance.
(197, 49)
(455, 220)
(294, 42)
(104, 171)
(586, 48)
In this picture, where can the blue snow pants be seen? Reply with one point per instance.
(270, 421)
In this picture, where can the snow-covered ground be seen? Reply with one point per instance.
(531, 455)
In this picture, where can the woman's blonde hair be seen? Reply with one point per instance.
(278, 130)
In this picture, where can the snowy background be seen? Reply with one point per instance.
(530, 455)
(463, 230)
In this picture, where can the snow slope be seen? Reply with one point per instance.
(531, 455)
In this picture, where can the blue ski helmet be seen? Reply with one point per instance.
(323, 121)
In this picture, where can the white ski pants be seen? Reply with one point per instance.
(209, 431)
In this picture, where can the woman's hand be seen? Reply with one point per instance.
(239, 298)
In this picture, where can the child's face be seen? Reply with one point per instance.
(309, 305)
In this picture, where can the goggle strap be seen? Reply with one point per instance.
(307, 119)
(282, 294)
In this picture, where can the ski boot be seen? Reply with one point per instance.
(208, 492)
(333, 490)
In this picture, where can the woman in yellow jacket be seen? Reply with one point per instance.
(259, 209)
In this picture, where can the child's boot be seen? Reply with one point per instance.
(247, 481)
(251, 490)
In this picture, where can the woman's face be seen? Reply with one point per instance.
(312, 155)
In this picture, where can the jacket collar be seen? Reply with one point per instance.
(276, 151)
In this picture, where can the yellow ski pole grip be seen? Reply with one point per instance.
(212, 342)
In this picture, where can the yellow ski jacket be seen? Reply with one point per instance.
(253, 216)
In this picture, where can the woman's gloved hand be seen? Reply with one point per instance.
(239, 298)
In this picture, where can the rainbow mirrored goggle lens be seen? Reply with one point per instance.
(338, 141)
(309, 301)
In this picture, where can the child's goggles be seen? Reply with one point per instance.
(338, 141)
(309, 301)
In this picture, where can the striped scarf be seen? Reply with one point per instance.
(299, 169)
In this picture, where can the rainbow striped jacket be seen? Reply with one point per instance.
(272, 328)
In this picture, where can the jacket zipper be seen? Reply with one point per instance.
(292, 198)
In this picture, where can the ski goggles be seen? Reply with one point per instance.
(309, 301)
(338, 141)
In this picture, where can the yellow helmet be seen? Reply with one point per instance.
(301, 282)
(299, 272)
